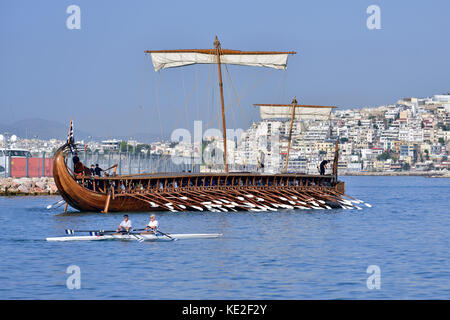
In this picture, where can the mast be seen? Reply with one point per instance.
(336, 160)
(217, 46)
(163, 59)
(294, 104)
(304, 112)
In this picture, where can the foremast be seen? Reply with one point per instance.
(268, 111)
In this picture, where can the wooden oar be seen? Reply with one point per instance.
(110, 167)
(51, 205)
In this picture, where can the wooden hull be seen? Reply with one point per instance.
(184, 198)
(84, 199)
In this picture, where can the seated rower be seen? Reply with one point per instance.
(79, 168)
(125, 225)
(152, 225)
(122, 188)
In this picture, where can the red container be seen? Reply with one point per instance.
(19, 167)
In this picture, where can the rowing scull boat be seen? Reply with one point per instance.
(138, 236)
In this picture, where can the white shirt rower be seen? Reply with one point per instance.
(125, 225)
(153, 224)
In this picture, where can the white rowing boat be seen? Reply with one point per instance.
(138, 236)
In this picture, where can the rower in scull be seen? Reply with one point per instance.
(152, 225)
(125, 225)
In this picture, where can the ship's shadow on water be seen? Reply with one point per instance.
(287, 254)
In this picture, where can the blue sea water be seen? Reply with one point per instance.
(320, 254)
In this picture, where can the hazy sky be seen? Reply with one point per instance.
(100, 75)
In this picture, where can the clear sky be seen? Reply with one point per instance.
(100, 75)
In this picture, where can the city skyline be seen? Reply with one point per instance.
(410, 134)
(141, 137)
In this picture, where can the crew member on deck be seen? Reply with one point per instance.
(153, 224)
(78, 167)
(98, 170)
(125, 225)
(323, 167)
(75, 158)
(92, 170)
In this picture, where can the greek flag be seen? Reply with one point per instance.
(70, 139)
(69, 231)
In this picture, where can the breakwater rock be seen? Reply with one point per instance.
(429, 174)
(27, 186)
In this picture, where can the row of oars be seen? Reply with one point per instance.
(257, 200)
(253, 199)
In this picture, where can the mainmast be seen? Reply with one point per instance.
(163, 59)
(217, 46)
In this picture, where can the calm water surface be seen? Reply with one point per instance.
(323, 254)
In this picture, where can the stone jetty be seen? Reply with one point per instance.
(428, 174)
(27, 186)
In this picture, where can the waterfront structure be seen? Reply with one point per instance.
(110, 144)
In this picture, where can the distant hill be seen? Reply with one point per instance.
(43, 129)
(48, 129)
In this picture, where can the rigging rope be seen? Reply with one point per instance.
(140, 100)
(235, 93)
(159, 113)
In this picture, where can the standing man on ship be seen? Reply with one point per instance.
(323, 167)
(75, 158)
(98, 170)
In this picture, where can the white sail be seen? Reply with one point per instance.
(164, 60)
(301, 113)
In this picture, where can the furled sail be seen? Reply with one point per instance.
(179, 58)
(301, 112)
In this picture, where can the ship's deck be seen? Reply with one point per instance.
(145, 176)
